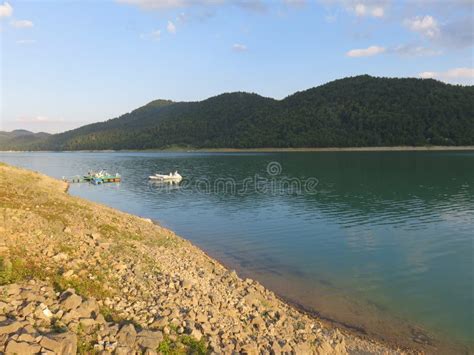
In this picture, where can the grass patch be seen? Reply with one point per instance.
(110, 315)
(185, 344)
(194, 346)
(86, 340)
(83, 286)
(17, 269)
(108, 230)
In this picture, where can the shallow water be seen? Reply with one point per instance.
(380, 241)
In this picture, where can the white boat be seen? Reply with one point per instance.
(174, 177)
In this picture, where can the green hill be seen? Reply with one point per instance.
(350, 112)
(21, 137)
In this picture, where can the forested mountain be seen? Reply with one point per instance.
(350, 112)
(21, 137)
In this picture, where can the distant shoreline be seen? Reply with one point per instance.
(263, 150)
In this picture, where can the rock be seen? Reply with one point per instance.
(89, 308)
(149, 339)
(127, 334)
(60, 257)
(150, 352)
(87, 323)
(303, 348)
(95, 236)
(46, 311)
(276, 348)
(68, 273)
(50, 344)
(16, 347)
(187, 284)
(252, 299)
(196, 334)
(13, 289)
(63, 343)
(70, 300)
(70, 316)
(324, 348)
(10, 328)
(123, 350)
(250, 349)
(26, 338)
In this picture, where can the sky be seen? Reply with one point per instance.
(65, 63)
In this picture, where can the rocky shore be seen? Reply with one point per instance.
(76, 276)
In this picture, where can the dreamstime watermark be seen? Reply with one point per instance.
(271, 183)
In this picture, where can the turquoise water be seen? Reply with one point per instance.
(380, 241)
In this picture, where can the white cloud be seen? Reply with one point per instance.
(426, 25)
(378, 11)
(366, 52)
(171, 28)
(362, 8)
(21, 23)
(238, 47)
(6, 10)
(415, 50)
(455, 75)
(26, 41)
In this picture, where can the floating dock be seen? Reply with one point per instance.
(94, 178)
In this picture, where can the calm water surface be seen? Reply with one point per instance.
(382, 242)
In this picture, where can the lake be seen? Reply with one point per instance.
(377, 241)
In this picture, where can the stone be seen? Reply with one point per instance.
(89, 308)
(47, 313)
(26, 338)
(69, 316)
(62, 343)
(70, 300)
(123, 350)
(196, 333)
(187, 284)
(324, 348)
(149, 338)
(87, 323)
(50, 344)
(68, 273)
(303, 348)
(250, 349)
(127, 335)
(13, 289)
(10, 328)
(252, 299)
(60, 257)
(21, 347)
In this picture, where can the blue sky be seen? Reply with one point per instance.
(68, 63)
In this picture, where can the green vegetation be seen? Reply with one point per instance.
(16, 269)
(185, 344)
(351, 112)
(83, 286)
